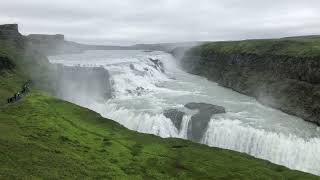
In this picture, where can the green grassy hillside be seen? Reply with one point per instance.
(41, 136)
(27, 63)
(47, 138)
(10, 79)
(303, 46)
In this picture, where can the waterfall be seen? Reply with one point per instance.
(142, 90)
(287, 150)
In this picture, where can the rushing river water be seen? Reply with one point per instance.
(141, 92)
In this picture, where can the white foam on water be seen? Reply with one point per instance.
(288, 150)
(142, 122)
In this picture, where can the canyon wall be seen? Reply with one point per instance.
(9, 31)
(288, 83)
(53, 44)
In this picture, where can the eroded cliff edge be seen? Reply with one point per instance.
(283, 73)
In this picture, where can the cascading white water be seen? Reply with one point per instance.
(141, 92)
(289, 150)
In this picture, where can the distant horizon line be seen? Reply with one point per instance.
(164, 43)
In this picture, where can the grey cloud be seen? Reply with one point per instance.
(147, 21)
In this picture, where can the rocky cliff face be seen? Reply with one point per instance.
(44, 37)
(291, 84)
(9, 31)
(53, 44)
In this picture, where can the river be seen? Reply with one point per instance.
(141, 92)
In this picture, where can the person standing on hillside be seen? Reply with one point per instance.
(17, 95)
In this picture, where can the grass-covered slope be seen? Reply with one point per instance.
(303, 46)
(41, 136)
(25, 64)
(11, 77)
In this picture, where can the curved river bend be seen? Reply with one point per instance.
(142, 92)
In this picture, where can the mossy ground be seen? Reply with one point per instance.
(42, 137)
(304, 46)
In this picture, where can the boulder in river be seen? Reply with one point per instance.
(157, 64)
(176, 117)
(199, 122)
(206, 107)
(132, 67)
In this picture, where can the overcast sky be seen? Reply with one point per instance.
(151, 21)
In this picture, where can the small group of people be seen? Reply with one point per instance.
(18, 95)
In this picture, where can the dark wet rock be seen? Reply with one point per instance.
(132, 67)
(157, 64)
(199, 122)
(137, 91)
(140, 90)
(6, 64)
(175, 115)
(206, 107)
